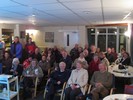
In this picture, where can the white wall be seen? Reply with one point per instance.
(59, 35)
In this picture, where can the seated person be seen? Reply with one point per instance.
(78, 79)
(82, 59)
(44, 64)
(6, 63)
(29, 76)
(56, 80)
(27, 62)
(93, 66)
(16, 68)
(125, 60)
(101, 82)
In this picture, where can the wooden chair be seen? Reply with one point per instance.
(34, 89)
(112, 90)
(58, 92)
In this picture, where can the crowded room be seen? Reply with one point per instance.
(66, 50)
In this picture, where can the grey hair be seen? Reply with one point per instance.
(15, 60)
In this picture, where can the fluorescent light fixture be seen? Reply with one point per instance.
(127, 15)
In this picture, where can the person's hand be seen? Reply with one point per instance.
(98, 84)
(49, 80)
(73, 86)
(59, 82)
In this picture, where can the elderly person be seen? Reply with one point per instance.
(78, 79)
(56, 80)
(101, 82)
(16, 69)
(82, 59)
(30, 74)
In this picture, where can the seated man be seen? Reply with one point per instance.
(76, 82)
(30, 74)
(56, 80)
(101, 82)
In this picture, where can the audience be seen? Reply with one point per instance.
(27, 62)
(101, 82)
(66, 58)
(37, 55)
(82, 59)
(16, 48)
(125, 60)
(29, 77)
(109, 56)
(93, 66)
(56, 80)
(6, 63)
(16, 68)
(77, 80)
(74, 52)
(30, 47)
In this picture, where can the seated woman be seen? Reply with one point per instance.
(6, 63)
(16, 68)
(125, 60)
(78, 79)
(56, 80)
(101, 82)
(29, 76)
(82, 59)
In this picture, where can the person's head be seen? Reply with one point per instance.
(6, 54)
(123, 50)
(113, 50)
(36, 50)
(95, 58)
(30, 58)
(85, 52)
(16, 39)
(102, 67)
(76, 46)
(44, 57)
(79, 65)
(34, 62)
(62, 66)
(125, 55)
(86, 46)
(30, 40)
(64, 53)
(80, 49)
(108, 50)
(102, 55)
(15, 61)
(97, 50)
(93, 48)
(81, 55)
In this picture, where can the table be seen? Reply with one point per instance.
(119, 97)
(7, 93)
(126, 73)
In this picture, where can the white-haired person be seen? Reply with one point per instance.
(56, 80)
(16, 68)
(78, 79)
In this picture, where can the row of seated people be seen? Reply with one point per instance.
(101, 82)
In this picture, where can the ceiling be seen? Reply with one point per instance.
(66, 12)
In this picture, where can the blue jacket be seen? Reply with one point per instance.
(18, 48)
